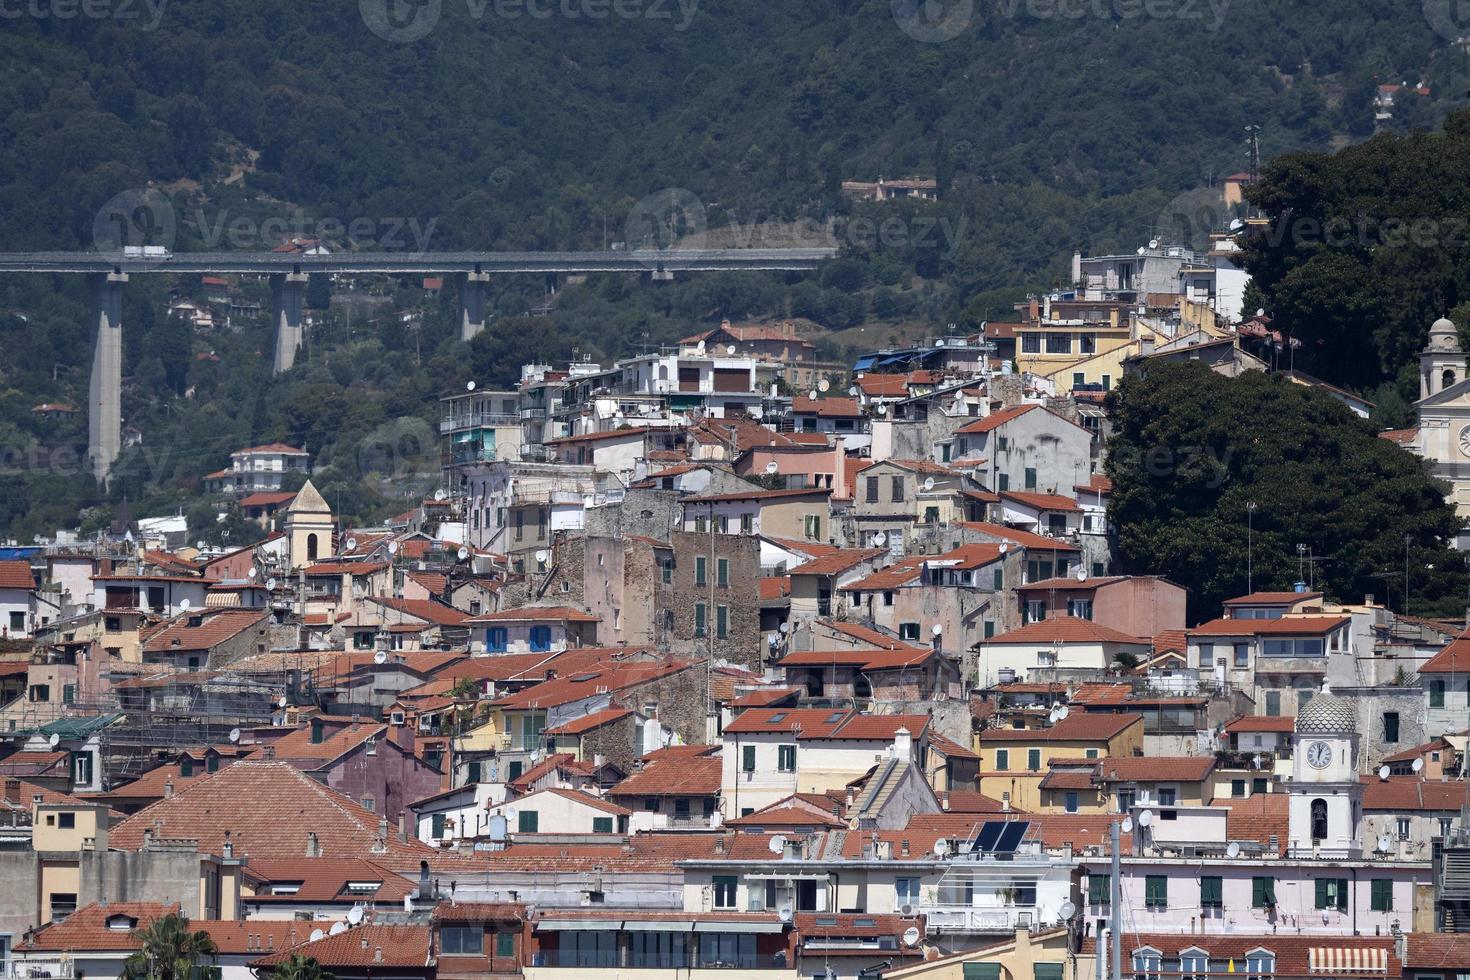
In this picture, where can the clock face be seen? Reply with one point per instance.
(1319, 755)
(1465, 440)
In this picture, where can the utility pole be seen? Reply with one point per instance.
(1115, 897)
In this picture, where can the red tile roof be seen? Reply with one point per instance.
(325, 880)
(1294, 954)
(1041, 501)
(273, 447)
(838, 561)
(587, 723)
(1272, 598)
(764, 696)
(843, 408)
(299, 749)
(902, 572)
(1079, 726)
(698, 775)
(995, 420)
(428, 610)
(812, 549)
(267, 809)
(1409, 755)
(371, 946)
(822, 723)
(1411, 793)
(629, 432)
(1259, 818)
(17, 575)
(1286, 626)
(1026, 539)
(788, 813)
(867, 634)
(268, 499)
(346, 567)
(1097, 483)
(774, 587)
(1283, 724)
(536, 614)
(215, 627)
(1065, 629)
(598, 680)
(757, 493)
(863, 659)
(1152, 768)
(87, 928)
(1437, 951)
(1453, 659)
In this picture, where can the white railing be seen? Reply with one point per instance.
(964, 918)
(58, 969)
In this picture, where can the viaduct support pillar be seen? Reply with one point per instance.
(287, 293)
(104, 399)
(472, 289)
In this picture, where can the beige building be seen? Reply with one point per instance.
(309, 527)
(1015, 761)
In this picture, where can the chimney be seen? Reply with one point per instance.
(229, 848)
(12, 790)
(268, 752)
(168, 788)
(944, 801)
(1368, 599)
(903, 744)
(383, 828)
(313, 849)
(720, 844)
(903, 847)
(1076, 266)
(423, 891)
(363, 941)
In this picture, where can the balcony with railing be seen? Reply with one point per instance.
(475, 420)
(967, 918)
(623, 960)
(37, 969)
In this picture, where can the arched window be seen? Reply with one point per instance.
(861, 686)
(311, 547)
(1447, 379)
(1319, 820)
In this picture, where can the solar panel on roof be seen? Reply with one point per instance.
(1010, 839)
(990, 832)
(777, 717)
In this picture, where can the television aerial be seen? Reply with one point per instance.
(470, 386)
(880, 539)
(730, 349)
(755, 411)
(392, 547)
(1232, 850)
(937, 630)
(199, 545)
(1005, 546)
(252, 573)
(1383, 843)
(785, 913)
(440, 495)
(1383, 773)
(941, 848)
(380, 658)
(54, 740)
(824, 385)
(812, 395)
(184, 604)
(1127, 825)
(700, 347)
(911, 936)
(1062, 712)
(1082, 573)
(882, 409)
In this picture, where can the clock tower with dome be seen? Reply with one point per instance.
(1443, 434)
(1326, 798)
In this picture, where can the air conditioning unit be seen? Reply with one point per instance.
(908, 910)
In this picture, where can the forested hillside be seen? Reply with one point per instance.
(1047, 131)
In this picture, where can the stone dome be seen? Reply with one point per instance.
(1443, 335)
(1327, 715)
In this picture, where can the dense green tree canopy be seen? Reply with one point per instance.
(1192, 449)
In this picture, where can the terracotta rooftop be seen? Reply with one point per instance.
(862, 659)
(1286, 626)
(690, 776)
(536, 614)
(587, 723)
(598, 680)
(87, 928)
(838, 562)
(1413, 794)
(371, 946)
(1041, 501)
(180, 634)
(1281, 724)
(1295, 955)
(995, 420)
(824, 723)
(1272, 598)
(267, 809)
(1026, 539)
(1079, 726)
(1153, 768)
(326, 879)
(16, 575)
(1065, 629)
(1259, 818)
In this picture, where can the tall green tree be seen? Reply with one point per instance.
(170, 950)
(299, 967)
(1192, 450)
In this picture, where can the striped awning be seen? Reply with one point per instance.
(1337, 960)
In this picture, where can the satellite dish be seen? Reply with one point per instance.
(783, 628)
(337, 929)
(1232, 850)
(1383, 772)
(928, 483)
(1418, 765)
(941, 848)
(1127, 825)
(1153, 243)
(777, 844)
(541, 556)
(853, 391)
(1063, 711)
(1145, 818)
(700, 347)
(882, 409)
(824, 385)
(730, 349)
(911, 936)
(1005, 546)
(1383, 843)
(234, 735)
(54, 740)
(772, 468)
(440, 494)
(199, 545)
(351, 544)
(252, 573)
(937, 630)
(880, 539)
(392, 547)
(1067, 910)
(1082, 573)
(354, 915)
(755, 411)
(317, 935)
(462, 553)
(184, 604)
(470, 386)
(785, 913)
(812, 394)
(380, 658)
(270, 584)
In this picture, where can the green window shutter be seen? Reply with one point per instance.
(700, 570)
(1263, 892)
(505, 944)
(1047, 971)
(1000, 580)
(528, 822)
(982, 971)
(1321, 893)
(1342, 894)
(1002, 759)
(1382, 895)
(1155, 891)
(1099, 889)
(1212, 891)
(1033, 760)
(722, 569)
(747, 758)
(602, 825)
(436, 822)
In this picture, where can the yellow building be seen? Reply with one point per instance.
(1029, 956)
(1115, 785)
(1015, 761)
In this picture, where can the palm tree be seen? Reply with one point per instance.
(300, 967)
(170, 950)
